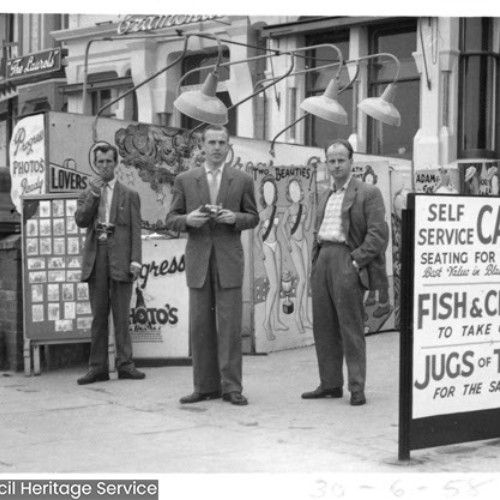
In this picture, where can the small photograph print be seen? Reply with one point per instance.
(45, 246)
(53, 292)
(45, 208)
(73, 275)
(36, 263)
(82, 291)
(32, 227)
(55, 263)
(58, 208)
(68, 292)
(54, 312)
(59, 246)
(71, 227)
(57, 276)
(37, 277)
(37, 313)
(31, 246)
(84, 323)
(73, 246)
(75, 262)
(45, 227)
(69, 310)
(58, 227)
(36, 293)
(63, 325)
(70, 207)
(83, 308)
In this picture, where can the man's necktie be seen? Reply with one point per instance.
(103, 204)
(212, 184)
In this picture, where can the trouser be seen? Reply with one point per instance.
(104, 293)
(215, 334)
(338, 318)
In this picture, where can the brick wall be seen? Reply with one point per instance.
(11, 304)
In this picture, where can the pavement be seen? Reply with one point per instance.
(50, 425)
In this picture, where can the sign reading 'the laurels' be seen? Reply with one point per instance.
(456, 322)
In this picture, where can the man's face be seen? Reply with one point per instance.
(339, 164)
(216, 147)
(105, 164)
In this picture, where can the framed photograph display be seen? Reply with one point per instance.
(57, 308)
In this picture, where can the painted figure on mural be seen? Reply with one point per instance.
(296, 222)
(270, 253)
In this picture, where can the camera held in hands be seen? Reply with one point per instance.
(212, 210)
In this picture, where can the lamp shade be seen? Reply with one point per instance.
(381, 108)
(202, 104)
(326, 106)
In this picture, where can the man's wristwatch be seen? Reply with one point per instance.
(355, 264)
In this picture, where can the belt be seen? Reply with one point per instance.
(324, 243)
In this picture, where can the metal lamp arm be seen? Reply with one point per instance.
(140, 84)
(380, 54)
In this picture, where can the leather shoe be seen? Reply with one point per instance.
(358, 398)
(92, 376)
(235, 398)
(319, 393)
(131, 373)
(196, 397)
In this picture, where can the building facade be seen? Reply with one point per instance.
(447, 81)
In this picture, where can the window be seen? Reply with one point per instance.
(401, 40)
(195, 80)
(105, 87)
(320, 132)
(478, 110)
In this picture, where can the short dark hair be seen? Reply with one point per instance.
(341, 142)
(218, 128)
(104, 148)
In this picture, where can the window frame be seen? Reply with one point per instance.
(485, 56)
(373, 142)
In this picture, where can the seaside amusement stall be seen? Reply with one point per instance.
(51, 162)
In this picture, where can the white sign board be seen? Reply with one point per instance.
(456, 310)
(27, 159)
(159, 314)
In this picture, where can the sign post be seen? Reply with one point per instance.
(450, 335)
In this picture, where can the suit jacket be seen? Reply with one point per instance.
(124, 244)
(236, 193)
(363, 222)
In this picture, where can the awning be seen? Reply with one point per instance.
(7, 90)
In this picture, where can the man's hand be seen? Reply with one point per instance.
(226, 216)
(135, 270)
(197, 218)
(96, 183)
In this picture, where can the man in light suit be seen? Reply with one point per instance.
(111, 212)
(214, 204)
(349, 240)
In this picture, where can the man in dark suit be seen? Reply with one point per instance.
(213, 204)
(349, 239)
(111, 212)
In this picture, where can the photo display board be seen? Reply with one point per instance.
(56, 303)
(450, 358)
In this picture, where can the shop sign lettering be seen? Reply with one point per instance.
(34, 64)
(64, 180)
(135, 23)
